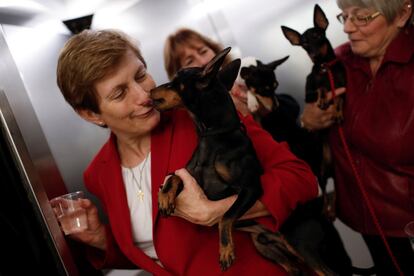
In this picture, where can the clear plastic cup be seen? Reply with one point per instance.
(71, 215)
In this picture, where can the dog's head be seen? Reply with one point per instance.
(197, 87)
(313, 40)
(261, 78)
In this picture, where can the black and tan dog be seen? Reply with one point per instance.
(224, 162)
(327, 73)
(306, 229)
(280, 118)
(261, 83)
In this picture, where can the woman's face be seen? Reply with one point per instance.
(372, 39)
(196, 54)
(123, 96)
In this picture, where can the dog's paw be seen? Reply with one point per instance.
(227, 257)
(323, 104)
(166, 203)
(339, 118)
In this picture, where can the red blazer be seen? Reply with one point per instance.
(379, 128)
(184, 248)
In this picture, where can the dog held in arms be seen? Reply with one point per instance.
(327, 73)
(260, 82)
(224, 162)
(306, 229)
(276, 113)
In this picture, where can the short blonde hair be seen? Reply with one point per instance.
(175, 43)
(389, 8)
(87, 58)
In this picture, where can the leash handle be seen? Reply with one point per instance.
(359, 181)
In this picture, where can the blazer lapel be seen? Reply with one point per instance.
(161, 141)
(118, 210)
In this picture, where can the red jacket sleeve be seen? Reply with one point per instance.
(286, 181)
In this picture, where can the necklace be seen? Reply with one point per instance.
(140, 193)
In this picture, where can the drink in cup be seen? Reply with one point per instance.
(71, 215)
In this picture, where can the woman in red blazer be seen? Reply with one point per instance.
(103, 77)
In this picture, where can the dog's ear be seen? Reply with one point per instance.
(276, 63)
(228, 73)
(292, 35)
(211, 68)
(319, 18)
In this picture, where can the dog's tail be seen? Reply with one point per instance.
(274, 247)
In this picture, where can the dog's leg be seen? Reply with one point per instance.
(323, 102)
(226, 243)
(329, 201)
(275, 247)
(246, 198)
(166, 196)
(339, 116)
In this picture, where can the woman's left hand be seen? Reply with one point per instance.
(193, 205)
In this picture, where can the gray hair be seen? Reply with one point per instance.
(389, 8)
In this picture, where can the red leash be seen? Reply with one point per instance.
(358, 177)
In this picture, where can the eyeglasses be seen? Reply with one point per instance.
(357, 20)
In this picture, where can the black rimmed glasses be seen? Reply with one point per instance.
(356, 19)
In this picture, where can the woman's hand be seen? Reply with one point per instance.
(239, 96)
(247, 102)
(314, 118)
(193, 205)
(94, 235)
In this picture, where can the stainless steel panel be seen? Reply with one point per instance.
(35, 190)
(70, 141)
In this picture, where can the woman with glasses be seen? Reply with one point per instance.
(378, 127)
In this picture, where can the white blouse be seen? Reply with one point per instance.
(140, 207)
